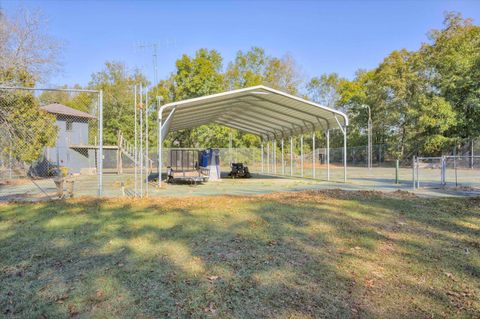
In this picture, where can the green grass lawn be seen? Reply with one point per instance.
(293, 255)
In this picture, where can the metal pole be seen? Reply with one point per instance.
(268, 156)
(160, 143)
(413, 171)
(328, 155)
(472, 155)
(369, 138)
(283, 159)
(291, 156)
(444, 170)
(10, 164)
(141, 140)
(100, 144)
(135, 155)
(301, 154)
(261, 146)
(455, 168)
(418, 175)
(147, 161)
(230, 154)
(345, 154)
(274, 145)
(397, 167)
(313, 155)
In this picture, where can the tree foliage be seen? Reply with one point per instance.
(325, 89)
(27, 55)
(454, 58)
(422, 101)
(117, 84)
(25, 129)
(254, 67)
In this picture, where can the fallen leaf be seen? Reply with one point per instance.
(213, 278)
(72, 310)
(99, 294)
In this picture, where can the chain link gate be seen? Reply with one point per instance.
(446, 171)
(50, 143)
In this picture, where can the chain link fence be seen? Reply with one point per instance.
(446, 171)
(50, 142)
(51, 146)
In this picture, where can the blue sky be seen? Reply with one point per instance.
(322, 36)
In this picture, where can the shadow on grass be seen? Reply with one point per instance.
(311, 254)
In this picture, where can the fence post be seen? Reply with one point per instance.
(418, 173)
(455, 169)
(413, 171)
(141, 140)
(471, 153)
(160, 142)
(100, 144)
(301, 153)
(397, 164)
(313, 154)
(147, 157)
(10, 162)
(291, 156)
(443, 164)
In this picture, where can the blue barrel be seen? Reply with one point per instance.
(204, 156)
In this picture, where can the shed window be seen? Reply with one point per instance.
(69, 125)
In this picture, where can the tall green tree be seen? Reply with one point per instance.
(199, 75)
(453, 56)
(28, 54)
(407, 112)
(25, 129)
(117, 84)
(325, 89)
(254, 67)
(193, 77)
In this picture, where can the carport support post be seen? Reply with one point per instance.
(274, 145)
(301, 154)
(313, 155)
(291, 156)
(268, 156)
(328, 155)
(283, 159)
(261, 148)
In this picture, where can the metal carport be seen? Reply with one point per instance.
(259, 110)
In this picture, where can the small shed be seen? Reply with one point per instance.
(73, 129)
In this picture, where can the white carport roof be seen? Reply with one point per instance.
(259, 110)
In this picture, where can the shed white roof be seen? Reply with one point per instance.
(259, 110)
